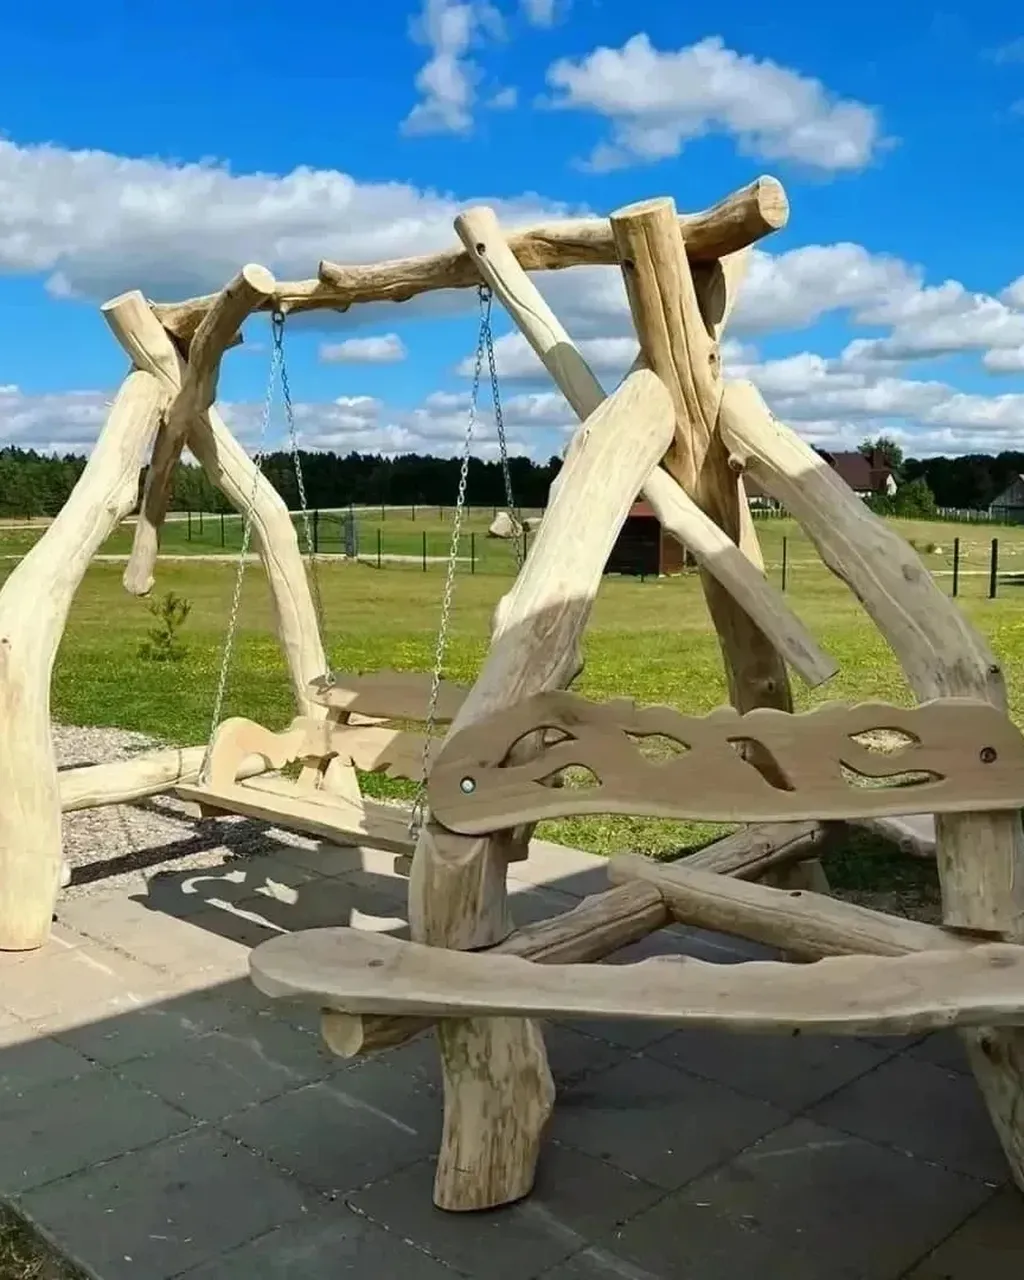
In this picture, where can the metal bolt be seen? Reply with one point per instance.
(988, 754)
(467, 786)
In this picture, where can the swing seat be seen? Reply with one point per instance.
(324, 800)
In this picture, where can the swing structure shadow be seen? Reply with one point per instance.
(680, 434)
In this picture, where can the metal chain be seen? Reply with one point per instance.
(499, 422)
(483, 344)
(276, 363)
(277, 324)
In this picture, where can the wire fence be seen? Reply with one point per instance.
(977, 565)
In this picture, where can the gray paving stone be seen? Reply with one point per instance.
(573, 1055)
(990, 1244)
(362, 1124)
(575, 1198)
(246, 1061)
(944, 1049)
(658, 1123)
(791, 1071)
(326, 904)
(153, 1029)
(806, 1201)
(157, 1212)
(57, 1129)
(34, 1063)
(323, 1245)
(927, 1110)
(531, 905)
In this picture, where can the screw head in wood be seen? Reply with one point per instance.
(467, 786)
(988, 755)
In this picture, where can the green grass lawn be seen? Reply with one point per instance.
(648, 640)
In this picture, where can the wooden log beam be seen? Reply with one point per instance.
(229, 467)
(252, 286)
(498, 1090)
(497, 264)
(34, 604)
(92, 786)
(741, 219)
(761, 847)
(804, 924)
(682, 348)
(599, 926)
(980, 855)
(846, 995)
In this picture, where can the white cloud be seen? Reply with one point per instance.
(1012, 51)
(1006, 360)
(658, 101)
(60, 422)
(448, 81)
(539, 13)
(386, 348)
(1013, 294)
(505, 99)
(95, 224)
(516, 360)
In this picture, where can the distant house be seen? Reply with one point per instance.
(867, 476)
(1008, 507)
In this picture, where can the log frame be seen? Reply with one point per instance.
(252, 286)
(739, 220)
(34, 605)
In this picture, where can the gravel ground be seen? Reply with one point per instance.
(121, 846)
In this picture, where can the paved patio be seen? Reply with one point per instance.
(161, 1118)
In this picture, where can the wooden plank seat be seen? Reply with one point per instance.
(361, 731)
(359, 972)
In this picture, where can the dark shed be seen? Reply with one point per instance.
(643, 548)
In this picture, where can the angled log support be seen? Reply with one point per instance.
(229, 467)
(498, 1090)
(980, 855)
(34, 606)
(480, 232)
(251, 287)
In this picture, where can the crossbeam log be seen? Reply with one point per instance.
(741, 219)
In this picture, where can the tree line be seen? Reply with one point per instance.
(36, 484)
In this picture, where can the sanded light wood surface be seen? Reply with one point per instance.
(741, 219)
(961, 754)
(848, 995)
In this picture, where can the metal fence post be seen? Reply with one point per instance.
(956, 567)
(785, 561)
(993, 572)
(424, 550)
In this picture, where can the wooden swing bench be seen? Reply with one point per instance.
(363, 729)
(875, 973)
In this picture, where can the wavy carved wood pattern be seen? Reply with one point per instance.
(972, 757)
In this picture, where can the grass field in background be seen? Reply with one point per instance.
(650, 640)
(402, 534)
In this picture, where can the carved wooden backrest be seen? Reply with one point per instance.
(836, 761)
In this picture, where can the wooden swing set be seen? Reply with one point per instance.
(679, 433)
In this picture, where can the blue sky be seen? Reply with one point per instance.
(160, 149)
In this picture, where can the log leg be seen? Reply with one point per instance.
(34, 606)
(498, 1092)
